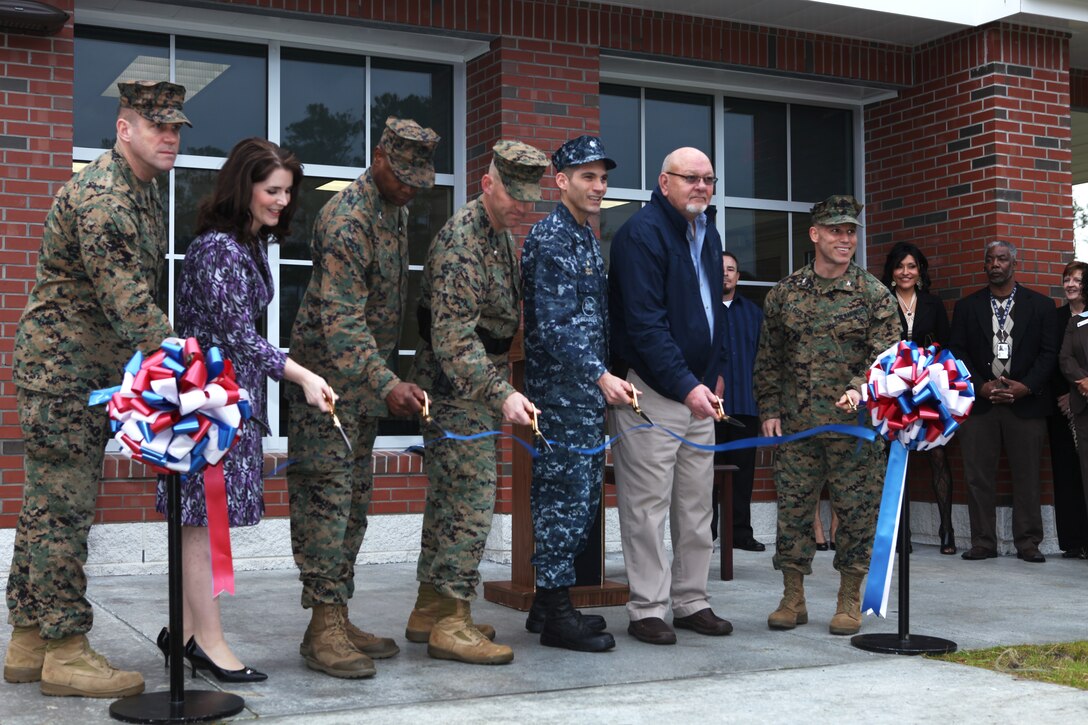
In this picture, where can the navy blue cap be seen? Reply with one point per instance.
(581, 150)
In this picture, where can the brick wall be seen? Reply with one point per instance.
(35, 158)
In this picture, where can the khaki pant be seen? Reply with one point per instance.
(657, 476)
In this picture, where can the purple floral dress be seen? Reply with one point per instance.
(222, 292)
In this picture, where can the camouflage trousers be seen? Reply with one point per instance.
(65, 442)
(854, 476)
(564, 498)
(460, 499)
(329, 491)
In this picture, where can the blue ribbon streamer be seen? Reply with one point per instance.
(878, 584)
(855, 431)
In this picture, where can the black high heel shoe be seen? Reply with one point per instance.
(163, 643)
(199, 660)
(948, 541)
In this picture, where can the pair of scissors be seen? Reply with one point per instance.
(540, 436)
(425, 414)
(635, 406)
(336, 422)
(720, 407)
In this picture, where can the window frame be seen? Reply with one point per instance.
(720, 83)
(420, 47)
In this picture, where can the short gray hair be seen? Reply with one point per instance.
(1002, 243)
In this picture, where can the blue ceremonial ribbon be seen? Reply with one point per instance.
(173, 366)
(103, 395)
(173, 349)
(214, 361)
(856, 431)
(878, 584)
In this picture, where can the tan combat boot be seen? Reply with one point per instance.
(26, 653)
(373, 646)
(72, 668)
(328, 648)
(791, 610)
(453, 637)
(847, 619)
(422, 618)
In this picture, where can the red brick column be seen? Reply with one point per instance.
(977, 149)
(35, 159)
(540, 92)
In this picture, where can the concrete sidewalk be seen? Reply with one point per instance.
(754, 675)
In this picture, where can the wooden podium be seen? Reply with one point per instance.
(591, 589)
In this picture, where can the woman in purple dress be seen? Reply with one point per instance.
(224, 288)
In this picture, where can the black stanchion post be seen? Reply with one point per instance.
(177, 705)
(903, 643)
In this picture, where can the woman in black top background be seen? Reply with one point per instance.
(923, 320)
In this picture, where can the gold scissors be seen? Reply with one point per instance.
(636, 408)
(540, 436)
(336, 422)
(720, 407)
(426, 412)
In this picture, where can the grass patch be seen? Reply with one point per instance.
(1062, 664)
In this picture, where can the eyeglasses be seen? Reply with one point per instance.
(693, 180)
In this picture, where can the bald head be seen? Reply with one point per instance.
(690, 199)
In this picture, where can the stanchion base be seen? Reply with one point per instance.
(197, 706)
(891, 643)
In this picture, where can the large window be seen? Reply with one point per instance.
(327, 106)
(774, 161)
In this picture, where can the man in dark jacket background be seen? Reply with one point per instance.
(1005, 334)
(665, 283)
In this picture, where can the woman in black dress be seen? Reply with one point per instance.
(923, 320)
(1070, 514)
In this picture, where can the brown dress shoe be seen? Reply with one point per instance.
(1031, 554)
(651, 630)
(975, 553)
(704, 622)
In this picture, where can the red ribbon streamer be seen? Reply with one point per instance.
(215, 501)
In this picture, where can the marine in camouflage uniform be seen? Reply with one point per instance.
(347, 327)
(92, 304)
(566, 375)
(469, 312)
(820, 335)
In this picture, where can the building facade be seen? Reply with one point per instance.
(954, 126)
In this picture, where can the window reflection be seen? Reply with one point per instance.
(314, 194)
(225, 95)
(620, 134)
(801, 244)
(323, 106)
(760, 241)
(420, 91)
(191, 186)
(755, 149)
(292, 287)
(612, 218)
(102, 59)
(428, 213)
(822, 152)
(674, 120)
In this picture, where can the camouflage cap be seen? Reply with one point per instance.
(158, 102)
(520, 166)
(581, 150)
(410, 150)
(837, 209)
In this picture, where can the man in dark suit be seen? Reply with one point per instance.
(1005, 334)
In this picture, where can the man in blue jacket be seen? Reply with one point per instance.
(664, 286)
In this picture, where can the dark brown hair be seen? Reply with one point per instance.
(251, 161)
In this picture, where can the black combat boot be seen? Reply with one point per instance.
(564, 628)
(539, 612)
